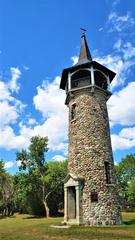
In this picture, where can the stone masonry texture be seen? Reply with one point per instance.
(89, 148)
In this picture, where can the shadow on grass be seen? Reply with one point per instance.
(34, 217)
(59, 214)
(4, 217)
(130, 222)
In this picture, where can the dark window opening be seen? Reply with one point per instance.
(94, 197)
(73, 112)
(107, 172)
(80, 79)
(100, 80)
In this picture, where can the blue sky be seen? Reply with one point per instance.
(38, 38)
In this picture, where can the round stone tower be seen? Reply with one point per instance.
(90, 188)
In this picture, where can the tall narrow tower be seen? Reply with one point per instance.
(90, 187)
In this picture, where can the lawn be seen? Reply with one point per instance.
(25, 227)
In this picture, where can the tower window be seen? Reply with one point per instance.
(94, 196)
(80, 79)
(100, 80)
(73, 111)
(107, 173)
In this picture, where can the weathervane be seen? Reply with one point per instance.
(83, 31)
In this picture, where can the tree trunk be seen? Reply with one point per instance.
(46, 209)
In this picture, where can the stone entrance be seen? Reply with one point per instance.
(72, 189)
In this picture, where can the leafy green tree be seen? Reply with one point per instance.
(26, 197)
(55, 174)
(6, 191)
(126, 177)
(131, 192)
(51, 175)
(2, 172)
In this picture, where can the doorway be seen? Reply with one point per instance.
(71, 202)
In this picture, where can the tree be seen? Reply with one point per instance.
(55, 174)
(126, 177)
(6, 191)
(131, 192)
(34, 160)
(26, 197)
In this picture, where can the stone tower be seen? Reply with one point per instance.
(90, 193)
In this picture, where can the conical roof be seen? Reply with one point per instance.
(85, 55)
(84, 61)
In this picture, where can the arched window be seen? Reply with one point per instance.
(80, 79)
(100, 80)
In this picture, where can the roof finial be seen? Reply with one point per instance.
(83, 31)
(85, 55)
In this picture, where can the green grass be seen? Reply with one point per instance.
(24, 227)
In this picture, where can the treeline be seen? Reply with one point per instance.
(38, 188)
(23, 193)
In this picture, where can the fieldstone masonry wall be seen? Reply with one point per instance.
(89, 148)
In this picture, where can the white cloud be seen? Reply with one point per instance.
(120, 62)
(32, 121)
(9, 164)
(128, 51)
(121, 143)
(121, 106)
(10, 107)
(8, 114)
(50, 102)
(74, 60)
(120, 23)
(128, 133)
(4, 92)
(58, 158)
(13, 84)
(8, 139)
(117, 44)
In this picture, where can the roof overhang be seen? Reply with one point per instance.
(87, 64)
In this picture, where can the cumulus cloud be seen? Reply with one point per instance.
(121, 143)
(4, 92)
(13, 84)
(8, 164)
(9, 140)
(58, 158)
(8, 113)
(50, 102)
(128, 133)
(119, 62)
(121, 106)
